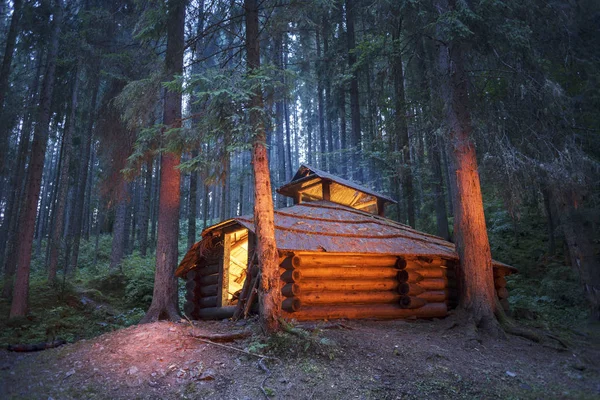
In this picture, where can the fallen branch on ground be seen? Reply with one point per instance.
(221, 337)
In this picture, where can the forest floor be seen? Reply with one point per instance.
(419, 359)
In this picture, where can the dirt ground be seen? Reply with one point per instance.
(359, 360)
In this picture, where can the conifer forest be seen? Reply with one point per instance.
(132, 131)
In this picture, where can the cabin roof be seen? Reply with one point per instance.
(346, 192)
(322, 226)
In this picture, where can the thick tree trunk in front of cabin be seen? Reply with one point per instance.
(475, 275)
(266, 248)
(164, 299)
(55, 240)
(19, 304)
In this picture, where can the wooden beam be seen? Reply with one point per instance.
(223, 284)
(326, 190)
(381, 207)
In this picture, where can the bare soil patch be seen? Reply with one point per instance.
(370, 360)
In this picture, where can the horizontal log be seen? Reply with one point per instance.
(434, 296)
(189, 309)
(409, 276)
(208, 270)
(411, 302)
(291, 290)
(433, 284)
(425, 262)
(316, 260)
(349, 297)
(291, 304)
(400, 263)
(216, 312)
(191, 285)
(373, 311)
(325, 285)
(191, 275)
(210, 290)
(500, 282)
(500, 272)
(291, 276)
(428, 272)
(342, 272)
(403, 288)
(502, 293)
(505, 304)
(206, 302)
(208, 280)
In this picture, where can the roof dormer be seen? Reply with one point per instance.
(311, 184)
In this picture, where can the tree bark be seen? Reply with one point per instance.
(55, 242)
(164, 300)
(86, 149)
(356, 140)
(270, 294)
(145, 213)
(402, 144)
(11, 39)
(191, 233)
(9, 225)
(581, 250)
(118, 243)
(19, 306)
(475, 275)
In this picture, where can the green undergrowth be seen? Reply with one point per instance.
(93, 301)
(546, 293)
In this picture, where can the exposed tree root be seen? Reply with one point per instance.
(169, 313)
(509, 326)
(268, 372)
(332, 325)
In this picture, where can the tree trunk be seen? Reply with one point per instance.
(475, 275)
(118, 243)
(356, 140)
(320, 104)
(55, 242)
(79, 206)
(191, 233)
(268, 260)
(332, 160)
(8, 239)
(19, 306)
(401, 126)
(11, 40)
(164, 300)
(145, 214)
(581, 250)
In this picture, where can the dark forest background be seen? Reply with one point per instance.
(350, 87)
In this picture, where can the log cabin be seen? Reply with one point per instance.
(339, 258)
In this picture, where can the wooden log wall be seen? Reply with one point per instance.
(330, 286)
(202, 285)
(500, 285)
